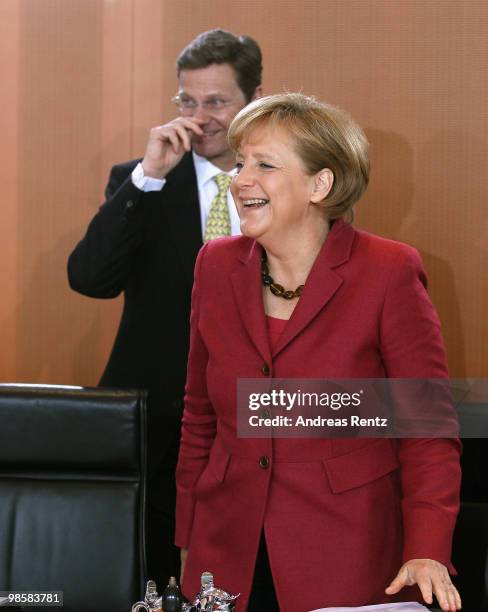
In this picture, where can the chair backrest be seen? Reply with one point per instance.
(72, 494)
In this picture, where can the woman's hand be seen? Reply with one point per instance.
(183, 555)
(431, 577)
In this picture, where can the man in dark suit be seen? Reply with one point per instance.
(144, 241)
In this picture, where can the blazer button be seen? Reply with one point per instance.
(265, 369)
(129, 204)
(264, 462)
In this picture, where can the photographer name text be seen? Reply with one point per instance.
(301, 421)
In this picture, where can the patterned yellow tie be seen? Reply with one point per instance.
(218, 222)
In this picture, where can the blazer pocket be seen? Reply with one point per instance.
(215, 470)
(361, 466)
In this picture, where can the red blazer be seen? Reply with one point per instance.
(340, 515)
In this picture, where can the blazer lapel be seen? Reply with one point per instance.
(322, 282)
(246, 285)
(182, 211)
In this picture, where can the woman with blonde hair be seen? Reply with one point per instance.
(299, 524)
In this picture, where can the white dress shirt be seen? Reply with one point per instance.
(207, 189)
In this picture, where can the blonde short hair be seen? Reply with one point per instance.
(324, 136)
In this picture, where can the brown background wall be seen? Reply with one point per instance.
(83, 80)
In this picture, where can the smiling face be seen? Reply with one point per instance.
(207, 85)
(274, 194)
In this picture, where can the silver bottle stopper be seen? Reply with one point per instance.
(211, 598)
(152, 601)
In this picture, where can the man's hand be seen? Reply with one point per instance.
(183, 555)
(431, 577)
(167, 144)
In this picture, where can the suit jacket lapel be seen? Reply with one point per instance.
(182, 211)
(322, 282)
(246, 285)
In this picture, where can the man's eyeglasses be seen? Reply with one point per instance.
(188, 105)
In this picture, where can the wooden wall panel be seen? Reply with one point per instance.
(87, 78)
(59, 74)
(9, 51)
(148, 61)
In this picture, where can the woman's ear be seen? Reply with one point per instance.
(323, 181)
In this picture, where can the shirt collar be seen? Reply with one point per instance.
(205, 170)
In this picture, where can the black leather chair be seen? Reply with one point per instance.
(72, 491)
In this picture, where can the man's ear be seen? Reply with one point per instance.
(258, 93)
(323, 181)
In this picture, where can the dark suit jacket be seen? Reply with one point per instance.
(340, 515)
(145, 245)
